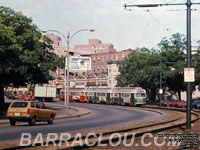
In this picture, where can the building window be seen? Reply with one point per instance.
(114, 68)
(102, 59)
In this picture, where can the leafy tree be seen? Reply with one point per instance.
(25, 56)
(141, 69)
(175, 59)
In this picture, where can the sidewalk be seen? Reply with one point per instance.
(73, 112)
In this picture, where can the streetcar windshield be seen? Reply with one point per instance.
(140, 94)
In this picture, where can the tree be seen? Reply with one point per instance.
(25, 56)
(142, 69)
(175, 60)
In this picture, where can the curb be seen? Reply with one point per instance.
(80, 112)
(135, 128)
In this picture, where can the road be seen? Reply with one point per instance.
(101, 116)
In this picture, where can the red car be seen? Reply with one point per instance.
(25, 97)
(177, 103)
(181, 103)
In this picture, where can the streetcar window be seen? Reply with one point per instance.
(98, 94)
(116, 94)
(125, 95)
(89, 94)
(140, 95)
(137, 94)
(103, 94)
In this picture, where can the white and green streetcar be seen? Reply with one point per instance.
(132, 96)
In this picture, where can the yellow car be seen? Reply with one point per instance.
(29, 111)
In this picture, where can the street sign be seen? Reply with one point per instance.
(160, 91)
(189, 74)
(79, 64)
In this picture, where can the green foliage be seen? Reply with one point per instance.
(142, 67)
(25, 56)
(173, 55)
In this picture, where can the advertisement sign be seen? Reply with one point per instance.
(78, 64)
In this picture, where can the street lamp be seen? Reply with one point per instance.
(68, 39)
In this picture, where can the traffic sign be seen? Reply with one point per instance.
(189, 74)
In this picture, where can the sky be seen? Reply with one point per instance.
(124, 28)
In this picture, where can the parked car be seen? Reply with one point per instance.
(196, 104)
(181, 103)
(177, 103)
(163, 102)
(11, 96)
(25, 97)
(29, 111)
(172, 103)
(17, 96)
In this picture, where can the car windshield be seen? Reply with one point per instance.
(19, 104)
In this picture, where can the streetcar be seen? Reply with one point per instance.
(75, 94)
(98, 95)
(132, 96)
(62, 96)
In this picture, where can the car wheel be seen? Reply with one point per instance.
(32, 121)
(50, 121)
(12, 122)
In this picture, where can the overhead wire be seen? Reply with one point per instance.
(167, 29)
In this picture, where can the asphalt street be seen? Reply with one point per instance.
(101, 116)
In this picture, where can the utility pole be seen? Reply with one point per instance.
(188, 23)
(161, 90)
(189, 94)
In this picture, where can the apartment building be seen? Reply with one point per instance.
(104, 69)
(94, 46)
(100, 61)
(102, 73)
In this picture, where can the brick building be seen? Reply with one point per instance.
(102, 73)
(94, 46)
(100, 61)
